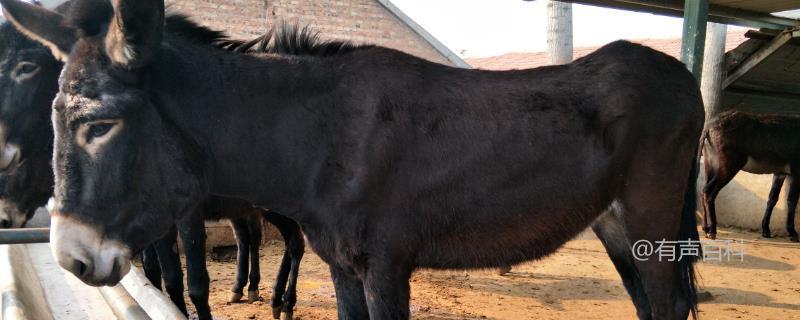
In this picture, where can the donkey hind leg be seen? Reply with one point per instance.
(193, 234)
(658, 208)
(611, 231)
(774, 193)
(351, 304)
(387, 288)
(284, 294)
(167, 250)
(254, 229)
(152, 269)
(794, 193)
(243, 243)
(715, 181)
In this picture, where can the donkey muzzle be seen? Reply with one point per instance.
(83, 251)
(11, 216)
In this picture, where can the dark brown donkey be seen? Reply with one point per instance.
(389, 162)
(755, 143)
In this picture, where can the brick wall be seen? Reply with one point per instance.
(360, 21)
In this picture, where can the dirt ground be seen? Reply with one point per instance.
(577, 282)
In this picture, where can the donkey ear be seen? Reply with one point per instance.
(42, 25)
(134, 35)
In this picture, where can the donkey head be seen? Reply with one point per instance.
(28, 83)
(122, 173)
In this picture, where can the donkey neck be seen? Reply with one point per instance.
(251, 116)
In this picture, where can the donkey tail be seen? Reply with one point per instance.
(688, 231)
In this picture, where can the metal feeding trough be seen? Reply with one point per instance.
(34, 287)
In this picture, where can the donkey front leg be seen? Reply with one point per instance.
(152, 269)
(170, 260)
(284, 295)
(193, 234)
(254, 228)
(243, 243)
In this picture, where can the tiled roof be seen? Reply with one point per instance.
(525, 60)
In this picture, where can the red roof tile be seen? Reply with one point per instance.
(525, 60)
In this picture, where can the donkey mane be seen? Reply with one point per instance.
(91, 15)
(282, 39)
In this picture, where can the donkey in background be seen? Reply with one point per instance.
(28, 83)
(755, 143)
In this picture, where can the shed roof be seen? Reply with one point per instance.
(763, 73)
(763, 6)
(752, 13)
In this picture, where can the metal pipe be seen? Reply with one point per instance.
(122, 304)
(30, 235)
(152, 300)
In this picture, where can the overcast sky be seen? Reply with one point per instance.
(476, 28)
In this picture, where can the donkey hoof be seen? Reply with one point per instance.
(794, 238)
(288, 315)
(236, 297)
(503, 270)
(712, 236)
(252, 296)
(766, 234)
(276, 312)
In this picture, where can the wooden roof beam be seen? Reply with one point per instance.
(716, 13)
(760, 55)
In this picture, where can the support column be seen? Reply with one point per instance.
(714, 68)
(695, 17)
(559, 32)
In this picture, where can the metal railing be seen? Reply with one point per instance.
(19, 236)
(119, 300)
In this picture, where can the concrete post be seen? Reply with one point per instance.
(559, 32)
(714, 69)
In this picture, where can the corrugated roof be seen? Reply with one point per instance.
(525, 60)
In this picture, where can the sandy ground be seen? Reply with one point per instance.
(577, 282)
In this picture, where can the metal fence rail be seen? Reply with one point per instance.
(30, 235)
(18, 279)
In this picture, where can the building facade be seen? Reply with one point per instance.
(361, 21)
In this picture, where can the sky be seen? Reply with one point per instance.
(480, 28)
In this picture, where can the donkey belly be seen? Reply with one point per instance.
(505, 239)
(757, 166)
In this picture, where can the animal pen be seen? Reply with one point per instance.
(753, 77)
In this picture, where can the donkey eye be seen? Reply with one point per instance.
(25, 70)
(98, 130)
(27, 67)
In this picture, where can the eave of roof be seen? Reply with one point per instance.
(751, 13)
